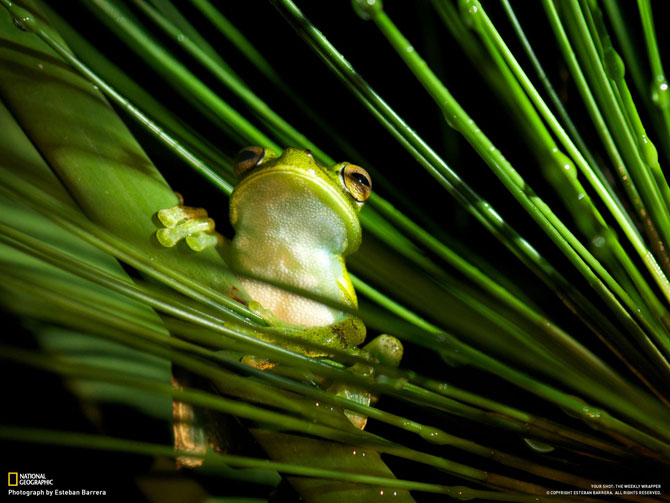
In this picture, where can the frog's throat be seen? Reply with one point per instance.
(348, 212)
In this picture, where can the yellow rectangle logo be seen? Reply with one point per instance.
(12, 475)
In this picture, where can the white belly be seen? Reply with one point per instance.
(288, 306)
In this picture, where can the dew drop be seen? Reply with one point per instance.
(469, 13)
(22, 18)
(451, 121)
(432, 435)
(591, 413)
(660, 92)
(614, 66)
(649, 151)
(18, 24)
(364, 8)
(538, 446)
(598, 241)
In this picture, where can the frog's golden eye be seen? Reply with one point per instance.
(248, 158)
(357, 181)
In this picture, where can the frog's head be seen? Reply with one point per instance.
(292, 196)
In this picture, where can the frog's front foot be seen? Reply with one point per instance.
(268, 316)
(387, 350)
(354, 394)
(191, 224)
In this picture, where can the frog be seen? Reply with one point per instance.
(295, 222)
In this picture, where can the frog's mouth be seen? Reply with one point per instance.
(299, 184)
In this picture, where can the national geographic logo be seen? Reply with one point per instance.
(28, 479)
(28, 483)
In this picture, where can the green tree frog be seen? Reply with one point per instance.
(295, 221)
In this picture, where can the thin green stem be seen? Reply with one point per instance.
(486, 27)
(109, 243)
(31, 23)
(456, 351)
(604, 132)
(615, 116)
(555, 100)
(619, 214)
(543, 215)
(660, 90)
(261, 109)
(164, 62)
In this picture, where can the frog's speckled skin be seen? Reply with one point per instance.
(294, 224)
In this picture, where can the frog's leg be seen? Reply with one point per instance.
(191, 224)
(190, 423)
(387, 350)
(355, 394)
(343, 335)
(189, 435)
(198, 429)
(258, 362)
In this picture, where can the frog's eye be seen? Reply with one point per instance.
(357, 181)
(248, 158)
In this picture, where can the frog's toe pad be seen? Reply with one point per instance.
(387, 349)
(171, 217)
(201, 240)
(355, 395)
(358, 420)
(190, 224)
(168, 237)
